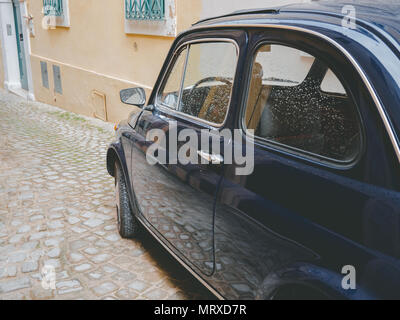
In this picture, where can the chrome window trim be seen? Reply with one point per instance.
(297, 151)
(367, 83)
(182, 78)
(166, 75)
(183, 115)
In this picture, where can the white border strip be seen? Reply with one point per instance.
(91, 71)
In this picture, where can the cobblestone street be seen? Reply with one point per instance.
(57, 209)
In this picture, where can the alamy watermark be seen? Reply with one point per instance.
(48, 274)
(209, 147)
(349, 20)
(349, 280)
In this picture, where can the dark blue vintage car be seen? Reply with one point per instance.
(316, 89)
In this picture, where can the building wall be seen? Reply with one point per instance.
(95, 54)
(211, 8)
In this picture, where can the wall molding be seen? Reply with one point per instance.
(136, 84)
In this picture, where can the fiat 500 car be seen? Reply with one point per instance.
(314, 89)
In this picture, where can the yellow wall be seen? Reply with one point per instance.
(188, 12)
(95, 53)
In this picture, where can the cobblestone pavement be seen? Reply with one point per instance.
(57, 209)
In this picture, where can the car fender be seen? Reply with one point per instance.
(309, 276)
(115, 152)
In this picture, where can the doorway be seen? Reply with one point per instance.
(19, 35)
(15, 48)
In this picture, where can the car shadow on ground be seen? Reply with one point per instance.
(176, 273)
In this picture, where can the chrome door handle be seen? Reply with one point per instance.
(213, 158)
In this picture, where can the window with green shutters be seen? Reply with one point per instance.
(53, 7)
(145, 9)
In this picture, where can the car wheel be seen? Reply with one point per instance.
(127, 223)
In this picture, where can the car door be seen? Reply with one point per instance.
(312, 204)
(177, 197)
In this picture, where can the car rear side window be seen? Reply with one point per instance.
(296, 101)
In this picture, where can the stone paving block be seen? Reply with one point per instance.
(127, 294)
(101, 258)
(10, 271)
(83, 267)
(54, 253)
(39, 293)
(52, 242)
(156, 294)
(68, 286)
(30, 245)
(29, 266)
(138, 285)
(91, 251)
(16, 238)
(73, 220)
(13, 285)
(16, 257)
(93, 223)
(78, 230)
(76, 257)
(105, 288)
(24, 229)
(56, 263)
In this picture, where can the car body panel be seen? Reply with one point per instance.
(176, 200)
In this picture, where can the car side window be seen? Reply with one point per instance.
(208, 81)
(202, 78)
(295, 101)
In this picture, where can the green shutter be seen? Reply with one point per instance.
(52, 7)
(145, 9)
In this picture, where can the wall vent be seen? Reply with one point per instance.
(45, 74)
(57, 79)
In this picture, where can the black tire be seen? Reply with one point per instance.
(128, 226)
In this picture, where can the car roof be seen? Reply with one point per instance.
(383, 16)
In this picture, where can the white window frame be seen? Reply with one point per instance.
(58, 21)
(163, 28)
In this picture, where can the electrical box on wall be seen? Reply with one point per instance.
(9, 30)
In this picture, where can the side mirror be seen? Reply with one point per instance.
(133, 96)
